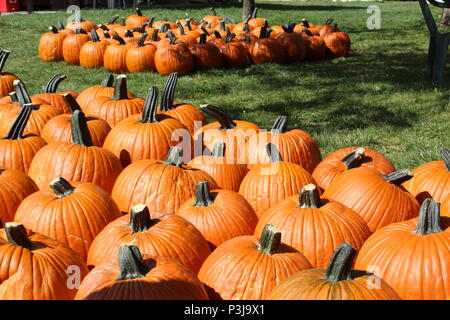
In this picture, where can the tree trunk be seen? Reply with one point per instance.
(248, 6)
(445, 20)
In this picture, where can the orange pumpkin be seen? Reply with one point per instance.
(213, 19)
(292, 43)
(54, 98)
(115, 57)
(92, 52)
(266, 49)
(338, 43)
(141, 57)
(72, 45)
(175, 57)
(51, 44)
(314, 45)
(136, 20)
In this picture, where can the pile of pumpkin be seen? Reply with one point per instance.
(142, 44)
(98, 200)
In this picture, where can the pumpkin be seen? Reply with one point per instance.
(254, 21)
(304, 24)
(338, 43)
(213, 19)
(314, 45)
(188, 114)
(341, 160)
(233, 133)
(242, 27)
(106, 33)
(59, 128)
(79, 161)
(187, 38)
(158, 234)
(115, 57)
(117, 108)
(292, 43)
(337, 282)
(51, 44)
(112, 22)
(295, 146)
(79, 22)
(36, 267)
(17, 149)
(248, 268)
(206, 55)
(72, 45)
(175, 57)
(145, 136)
(234, 54)
(378, 199)
(445, 207)
(54, 98)
(329, 223)
(412, 256)
(62, 29)
(6, 79)
(228, 173)
(130, 39)
(92, 52)
(15, 186)
(162, 186)
(266, 184)
(266, 49)
(326, 28)
(431, 179)
(219, 215)
(136, 20)
(141, 57)
(71, 214)
(137, 277)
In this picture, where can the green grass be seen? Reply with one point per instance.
(378, 97)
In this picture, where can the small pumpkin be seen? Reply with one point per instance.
(213, 19)
(206, 55)
(51, 44)
(136, 20)
(292, 43)
(326, 28)
(234, 53)
(254, 21)
(72, 45)
(266, 49)
(54, 98)
(92, 52)
(79, 22)
(175, 57)
(338, 43)
(115, 57)
(314, 45)
(142, 56)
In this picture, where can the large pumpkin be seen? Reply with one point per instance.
(248, 268)
(338, 282)
(338, 43)
(292, 43)
(115, 57)
(266, 49)
(51, 44)
(72, 45)
(92, 52)
(54, 98)
(206, 55)
(142, 56)
(174, 57)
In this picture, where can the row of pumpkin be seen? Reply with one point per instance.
(186, 45)
(138, 222)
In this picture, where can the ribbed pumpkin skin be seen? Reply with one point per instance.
(115, 58)
(188, 114)
(141, 58)
(91, 54)
(18, 154)
(237, 270)
(174, 58)
(431, 180)
(295, 146)
(310, 285)
(163, 188)
(6, 83)
(331, 166)
(315, 48)
(74, 219)
(131, 140)
(338, 43)
(14, 187)
(416, 266)
(114, 111)
(315, 232)
(228, 173)
(206, 56)
(51, 47)
(293, 46)
(378, 202)
(58, 129)
(172, 237)
(266, 50)
(37, 274)
(234, 55)
(56, 100)
(228, 217)
(445, 207)
(266, 184)
(168, 280)
(75, 163)
(89, 94)
(71, 48)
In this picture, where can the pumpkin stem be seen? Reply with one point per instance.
(120, 40)
(280, 125)
(213, 12)
(80, 30)
(60, 25)
(140, 219)
(309, 33)
(224, 119)
(334, 28)
(217, 34)
(354, 158)
(22, 93)
(17, 235)
(52, 29)
(204, 30)
(106, 35)
(103, 27)
(398, 177)
(129, 34)
(203, 196)
(142, 39)
(120, 90)
(139, 12)
(151, 103)
(19, 124)
(164, 27)
(329, 21)
(71, 102)
(428, 221)
(445, 155)
(94, 36)
(113, 19)
(150, 22)
(155, 35)
(54, 82)
(80, 131)
(108, 81)
(288, 27)
(180, 27)
(188, 24)
(229, 37)
(254, 13)
(172, 37)
(131, 263)
(13, 97)
(61, 187)
(218, 150)
(169, 92)
(273, 153)
(309, 197)
(340, 265)
(202, 38)
(222, 26)
(174, 157)
(305, 23)
(270, 240)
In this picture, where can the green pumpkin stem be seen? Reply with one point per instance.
(309, 197)
(150, 22)
(61, 187)
(270, 240)
(113, 19)
(429, 218)
(120, 90)
(18, 127)
(254, 13)
(340, 265)
(329, 21)
(288, 27)
(13, 97)
(172, 37)
(218, 150)
(155, 35)
(180, 27)
(131, 263)
(108, 81)
(52, 29)
(54, 82)
(120, 40)
(309, 33)
(354, 158)
(445, 155)
(141, 41)
(60, 26)
(168, 94)
(224, 119)
(188, 24)
(213, 12)
(398, 177)
(139, 12)
(230, 37)
(150, 106)
(334, 28)
(17, 235)
(94, 36)
(202, 38)
(164, 27)
(273, 153)
(71, 102)
(80, 30)
(174, 157)
(80, 131)
(305, 23)
(203, 196)
(140, 219)
(22, 93)
(280, 125)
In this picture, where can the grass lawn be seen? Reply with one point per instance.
(377, 98)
